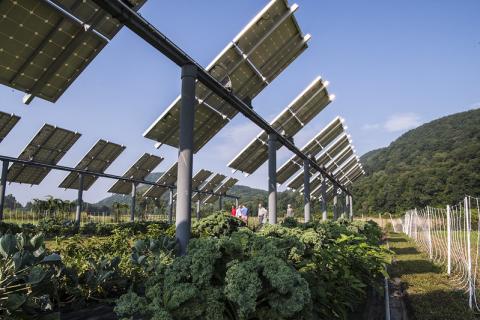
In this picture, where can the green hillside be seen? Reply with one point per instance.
(434, 164)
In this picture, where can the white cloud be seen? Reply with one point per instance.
(401, 122)
(371, 126)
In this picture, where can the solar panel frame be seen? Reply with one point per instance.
(209, 186)
(44, 49)
(48, 146)
(138, 171)
(344, 169)
(98, 159)
(169, 177)
(200, 177)
(304, 108)
(326, 136)
(222, 189)
(261, 51)
(7, 122)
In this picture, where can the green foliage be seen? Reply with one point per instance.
(28, 277)
(216, 225)
(303, 271)
(434, 164)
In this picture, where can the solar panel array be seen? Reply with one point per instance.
(45, 45)
(169, 177)
(326, 136)
(330, 152)
(210, 186)
(7, 122)
(138, 171)
(255, 57)
(222, 189)
(48, 146)
(200, 177)
(311, 101)
(98, 159)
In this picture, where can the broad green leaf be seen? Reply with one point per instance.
(8, 245)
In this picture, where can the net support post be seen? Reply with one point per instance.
(449, 241)
(272, 179)
(3, 187)
(323, 190)
(185, 157)
(429, 235)
(306, 190)
(468, 223)
(78, 212)
(133, 203)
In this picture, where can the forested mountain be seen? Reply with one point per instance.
(434, 164)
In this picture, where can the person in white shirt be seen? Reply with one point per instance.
(290, 212)
(262, 214)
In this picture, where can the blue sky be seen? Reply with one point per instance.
(391, 65)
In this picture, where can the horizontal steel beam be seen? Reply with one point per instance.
(101, 175)
(136, 23)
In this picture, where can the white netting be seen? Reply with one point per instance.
(450, 236)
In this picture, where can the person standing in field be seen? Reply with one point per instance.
(244, 211)
(290, 212)
(262, 214)
(234, 211)
(238, 212)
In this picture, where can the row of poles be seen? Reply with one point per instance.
(82, 173)
(418, 225)
(191, 71)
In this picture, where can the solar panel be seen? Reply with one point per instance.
(311, 101)
(7, 122)
(342, 175)
(221, 190)
(327, 154)
(45, 45)
(199, 178)
(139, 171)
(326, 136)
(169, 177)
(98, 159)
(49, 145)
(255, 57)
(210, 186)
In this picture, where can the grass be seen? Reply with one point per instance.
(430, 293)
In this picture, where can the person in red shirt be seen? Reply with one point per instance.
(234, 211)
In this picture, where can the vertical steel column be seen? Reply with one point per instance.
(220, 203)
(345, 206)
(236, 202)
(335, 203)
(198, 210)
(323, 189)
(78, 213)
(170, 207)
(272, 179)
(132, 205)
(306, 190)
(185, 157)
(350, 203)
(3, 187)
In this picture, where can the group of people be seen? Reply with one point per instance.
(242, 213)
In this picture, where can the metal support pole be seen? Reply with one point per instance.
(185, 157)
(350, 203)
(220, 203)
(335, 203)
(198, 210)
(236, 202)
(345, 206)
(132, 205)
(449, 241)
(3, 187)
(272, 179)
(78, 213)
(323, 189)
(306, 190)
(170, 207)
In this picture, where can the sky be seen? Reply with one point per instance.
(392, 65)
